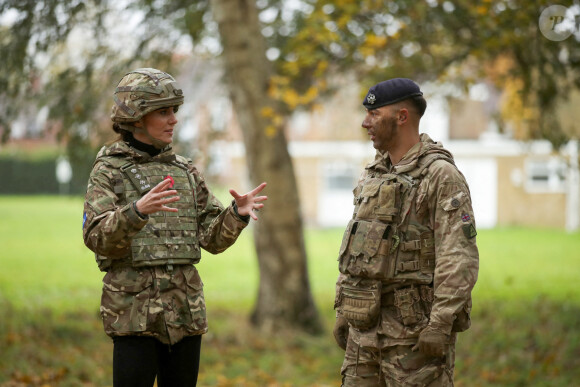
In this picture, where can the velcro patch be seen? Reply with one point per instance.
(469, 230)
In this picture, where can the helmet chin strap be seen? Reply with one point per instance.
(154, 141)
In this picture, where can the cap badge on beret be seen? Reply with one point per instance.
(391, 91)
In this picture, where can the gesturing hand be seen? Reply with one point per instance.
(156, 199)
(248, 203)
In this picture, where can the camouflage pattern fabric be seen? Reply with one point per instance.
(163, 298)
(395, 366)
(413, 231)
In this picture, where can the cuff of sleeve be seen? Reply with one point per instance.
(140, 215)
(134, 218)
(245, 218)
(443, 328)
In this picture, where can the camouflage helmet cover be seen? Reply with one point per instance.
(142, 91)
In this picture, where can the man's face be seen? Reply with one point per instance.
(381, 126)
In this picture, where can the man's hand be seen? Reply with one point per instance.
(432, 342)
(156, 199)
(249, 202)
(340, 331)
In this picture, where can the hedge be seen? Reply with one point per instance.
(30, 177)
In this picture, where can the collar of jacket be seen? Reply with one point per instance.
(123, 149)
(409, 162)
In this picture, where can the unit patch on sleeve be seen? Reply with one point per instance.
(469, 230)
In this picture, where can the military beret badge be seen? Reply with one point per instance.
(391, 91)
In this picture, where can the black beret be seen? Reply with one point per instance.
(391, 91)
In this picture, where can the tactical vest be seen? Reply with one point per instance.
(168, 237)
(384, 241)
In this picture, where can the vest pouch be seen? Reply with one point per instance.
(407, 301)
(378, 200)
(373, 238)
(360, 302)
(343, 255)
(366, 252)
(359, 237)
(368, 199)
(346, 238)
(427, 254)
(388, 203)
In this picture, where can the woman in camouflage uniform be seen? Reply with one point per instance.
(147, 214)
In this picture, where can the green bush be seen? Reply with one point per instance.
(28, 176)
(32, 176)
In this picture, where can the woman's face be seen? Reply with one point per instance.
(157, 125)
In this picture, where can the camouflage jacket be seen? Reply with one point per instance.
(412, 238)
(153, 297)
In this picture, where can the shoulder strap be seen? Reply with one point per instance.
(113, 161)
(424, 163)
(132, 172)
(418, 173)
(185, 162)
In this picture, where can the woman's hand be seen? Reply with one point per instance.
(249, 202)
(156, 199)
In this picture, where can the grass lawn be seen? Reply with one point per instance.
(524, 332)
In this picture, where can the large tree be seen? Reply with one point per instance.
(284, 297)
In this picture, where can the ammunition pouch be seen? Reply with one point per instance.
(364, 250)
(359, 302)
(413, 303)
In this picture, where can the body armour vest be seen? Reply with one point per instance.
(387, 239)
(168, 237)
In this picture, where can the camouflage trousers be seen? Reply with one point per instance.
(395, 366)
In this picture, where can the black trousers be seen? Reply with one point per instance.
(137, 360)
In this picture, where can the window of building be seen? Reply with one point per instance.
(340, 177)
(546, 175)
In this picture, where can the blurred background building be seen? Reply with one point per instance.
(512, 182)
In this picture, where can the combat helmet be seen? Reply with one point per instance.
(142, 91)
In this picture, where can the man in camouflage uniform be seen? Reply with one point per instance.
(408, 259)
(147, 213)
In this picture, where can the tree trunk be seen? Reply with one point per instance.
(284, 297)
